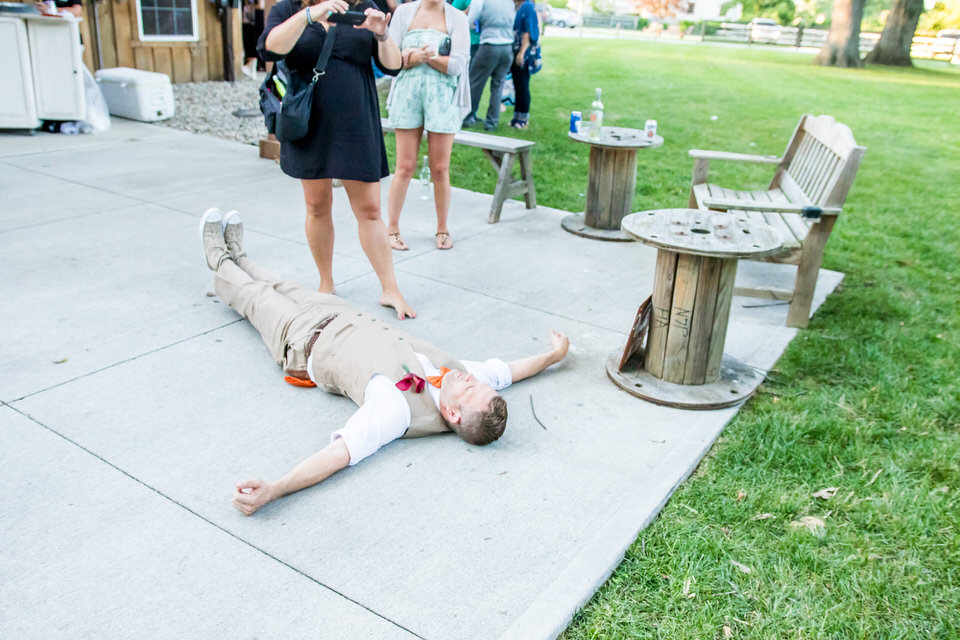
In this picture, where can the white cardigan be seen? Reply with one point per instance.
(459, 60)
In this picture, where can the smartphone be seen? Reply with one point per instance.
(444, 48)
(348, 17)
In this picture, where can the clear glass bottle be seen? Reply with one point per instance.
(596, 117)
(425, 188)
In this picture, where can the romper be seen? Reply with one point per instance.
(423, 96)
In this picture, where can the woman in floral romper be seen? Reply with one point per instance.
(431, 92)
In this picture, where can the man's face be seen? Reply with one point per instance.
(464, 392)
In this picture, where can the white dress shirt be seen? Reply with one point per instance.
(385, 415)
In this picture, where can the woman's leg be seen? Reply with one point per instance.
(318, 196)
(365, 201)
(408, 147)
(440, 146)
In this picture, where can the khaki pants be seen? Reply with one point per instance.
(283, 312)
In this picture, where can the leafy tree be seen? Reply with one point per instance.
(943, 15)
(662, 8)
(782, 10)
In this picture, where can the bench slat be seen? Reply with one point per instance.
(798, 225)
(492, 142)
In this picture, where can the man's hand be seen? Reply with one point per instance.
(531, 366)
(561, 344)
(250, 495)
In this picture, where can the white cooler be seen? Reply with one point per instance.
(136, 94)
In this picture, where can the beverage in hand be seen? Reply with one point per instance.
(596, 117)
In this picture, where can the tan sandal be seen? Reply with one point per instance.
(443, 241)
(397, 243)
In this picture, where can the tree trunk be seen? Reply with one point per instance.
(897, 37)
(842, 48)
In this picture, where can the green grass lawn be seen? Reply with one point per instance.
(866, 400)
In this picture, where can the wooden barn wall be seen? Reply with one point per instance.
(120, 46)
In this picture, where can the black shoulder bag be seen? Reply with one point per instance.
(286, 98)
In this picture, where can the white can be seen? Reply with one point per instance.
(650, 128)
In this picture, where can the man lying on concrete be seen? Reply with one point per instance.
(405, 387)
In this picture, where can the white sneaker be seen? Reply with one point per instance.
(211, 238)
(233, 235)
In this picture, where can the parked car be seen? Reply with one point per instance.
(563, 17)
(764, 30)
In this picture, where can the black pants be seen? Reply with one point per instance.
(521, 85)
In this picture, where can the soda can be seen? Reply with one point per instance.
(575, 119)
(650, 128)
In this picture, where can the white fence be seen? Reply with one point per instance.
(935, 48)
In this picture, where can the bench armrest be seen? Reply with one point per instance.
(808, 211)
(700, 154)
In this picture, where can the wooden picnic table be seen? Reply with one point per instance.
(611, 182)
(683, 364)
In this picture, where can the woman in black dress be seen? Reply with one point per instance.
(345, 140)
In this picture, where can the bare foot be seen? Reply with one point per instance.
(396, 301)
(326, 288)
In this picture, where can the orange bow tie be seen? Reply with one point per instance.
(438, 380)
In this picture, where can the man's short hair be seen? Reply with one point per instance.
(483, 427)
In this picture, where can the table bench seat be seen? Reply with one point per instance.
(816, 171)
(503, 153)
(792, 227)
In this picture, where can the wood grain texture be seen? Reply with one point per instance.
(818, 167)
(681, 318)
(526, 175)
(503, 184)
(182, 64)
(163, 60)
(703, 233)
(211, 34)
(663, 281)
(125, 28)
(701, 329)
(721, 318)
(108, 40)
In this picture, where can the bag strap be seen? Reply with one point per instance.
(319, 69)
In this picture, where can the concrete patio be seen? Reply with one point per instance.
(133, 400)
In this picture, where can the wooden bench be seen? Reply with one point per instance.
(805, 196)
(503, 154)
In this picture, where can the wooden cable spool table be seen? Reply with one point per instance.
(611, 181)
(683, 364)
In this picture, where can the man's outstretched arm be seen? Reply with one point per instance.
(253, 494)
(531, 366)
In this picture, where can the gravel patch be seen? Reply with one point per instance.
(207, 108)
